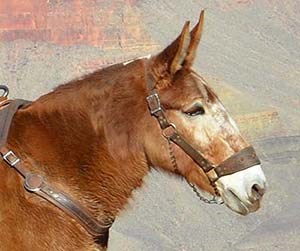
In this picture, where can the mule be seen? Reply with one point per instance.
(97, 137)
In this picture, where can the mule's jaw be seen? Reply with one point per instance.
(240, 207)
(239, 190)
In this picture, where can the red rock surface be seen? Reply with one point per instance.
(73, 22)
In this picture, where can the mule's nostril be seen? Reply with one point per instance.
(257, 191)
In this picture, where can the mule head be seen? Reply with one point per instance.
(199, 116)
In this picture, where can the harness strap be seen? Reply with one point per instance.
(37, 184)
(237, 162)
(169, 131)
(8, 110)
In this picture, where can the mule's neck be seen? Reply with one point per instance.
(85, 137)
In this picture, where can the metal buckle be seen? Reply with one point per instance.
(34, 182)
(212, 175)
(169, 131)
(11, 158)
(154, 103)
(5, 90)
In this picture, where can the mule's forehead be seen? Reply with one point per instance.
(186, 90)
(217, 122)
(205, 91)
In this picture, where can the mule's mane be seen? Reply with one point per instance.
(96, 80)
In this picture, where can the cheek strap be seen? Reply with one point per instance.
(239, 161)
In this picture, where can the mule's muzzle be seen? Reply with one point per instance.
(257, 192)
(241, 206)
(243, 191)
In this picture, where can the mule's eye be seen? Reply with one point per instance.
(195, 110)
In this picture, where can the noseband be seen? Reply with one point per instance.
(239, 161)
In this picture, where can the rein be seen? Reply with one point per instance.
(37, 184)
(239, 161)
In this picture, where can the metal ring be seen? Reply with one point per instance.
(33, 182)
(168, 135)
(5, 90)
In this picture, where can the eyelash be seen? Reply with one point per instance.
(195, 111)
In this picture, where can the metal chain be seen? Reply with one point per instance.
(214, 200)
(172, 156)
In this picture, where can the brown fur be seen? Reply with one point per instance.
(94, 138)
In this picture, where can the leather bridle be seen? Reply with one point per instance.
(239, 161)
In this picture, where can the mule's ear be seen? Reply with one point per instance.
(170, 60)
(184, 40)
(195, 40)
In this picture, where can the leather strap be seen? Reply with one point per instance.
(8, 109)
(242, 160)
(237, 162)
(169, 131)
(37, 184)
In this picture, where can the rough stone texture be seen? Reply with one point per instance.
(249, 53)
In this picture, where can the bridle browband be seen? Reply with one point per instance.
(239, 161)
(37, 184)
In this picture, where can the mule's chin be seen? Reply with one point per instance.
(239, 206)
